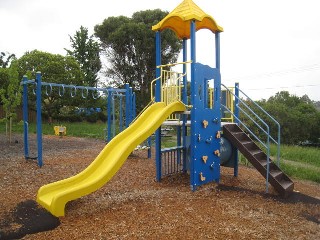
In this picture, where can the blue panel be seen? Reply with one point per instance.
(205, 127)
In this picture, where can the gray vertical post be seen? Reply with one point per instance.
(25, 117)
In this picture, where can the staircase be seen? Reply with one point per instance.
(280, 181)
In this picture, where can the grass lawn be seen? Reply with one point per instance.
(77, 129)
(296, 161)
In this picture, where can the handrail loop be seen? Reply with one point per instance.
(74, 92)
(95, 96)
(34, 88)
(50, 92)
(61, 93)
(86, 94)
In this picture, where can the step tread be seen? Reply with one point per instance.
(275, 173)
(255, 152)
(286, 184)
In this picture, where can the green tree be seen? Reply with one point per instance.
(298, 117)
(129, 44)
(54, 68)
(86, 50)
(5, 59)
(10, 94)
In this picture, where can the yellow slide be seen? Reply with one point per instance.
(54, 196)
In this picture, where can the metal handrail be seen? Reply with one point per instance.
(248, 129)
(267, 146)
(265, 131)
(274, 120)
(265, 112)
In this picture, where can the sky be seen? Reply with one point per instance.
(267, 45)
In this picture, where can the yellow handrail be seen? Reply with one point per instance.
(229, 105)
(171, 84)
(173, 64)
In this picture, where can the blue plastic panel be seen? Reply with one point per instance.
(205, 126)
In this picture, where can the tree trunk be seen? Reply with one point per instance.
(10, 129)
(7, 127)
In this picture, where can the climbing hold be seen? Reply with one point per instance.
(204, 159)
(217, 152)
(202, 178)
(205, 123)
(215, 120)
(209, 140)
(218, 135)
(212, 166)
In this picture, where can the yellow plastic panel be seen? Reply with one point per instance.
(179, 20)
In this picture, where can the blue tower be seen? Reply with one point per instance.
(198, 148)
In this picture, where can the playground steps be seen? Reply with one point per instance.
(279, 180)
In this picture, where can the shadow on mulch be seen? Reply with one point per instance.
(26, 218)
(294, 197)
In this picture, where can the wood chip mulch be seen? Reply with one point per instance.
(134, 206)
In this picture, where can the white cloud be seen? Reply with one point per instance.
(259, 38)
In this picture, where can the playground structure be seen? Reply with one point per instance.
(204, 142)
(116, 122)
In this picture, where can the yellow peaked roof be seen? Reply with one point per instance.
(179, 20)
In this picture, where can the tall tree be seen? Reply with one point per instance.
(129, 44)
(86, 50)
(5, 59)
(10, 94)
(298, 117)
(54, 68)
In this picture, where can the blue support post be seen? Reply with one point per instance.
(158, 63)
(25, 118)
(133, 105)
(39, 119)
(158, 99)
(236, 113)
(106, 129)
(109, 109)
(193, 94)
(128, 105)
(113, 116)
(217, 40)
(149, 147)
(236, 102)
(120, 115)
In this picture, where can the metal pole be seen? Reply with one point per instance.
(236, 113)
(128, 105)
(113, 116)
(158, 99)
(217, 39)
(109, 106)
(120, 114)
(39, 119)
(25, 117)
(236, 102)
(193, 95)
